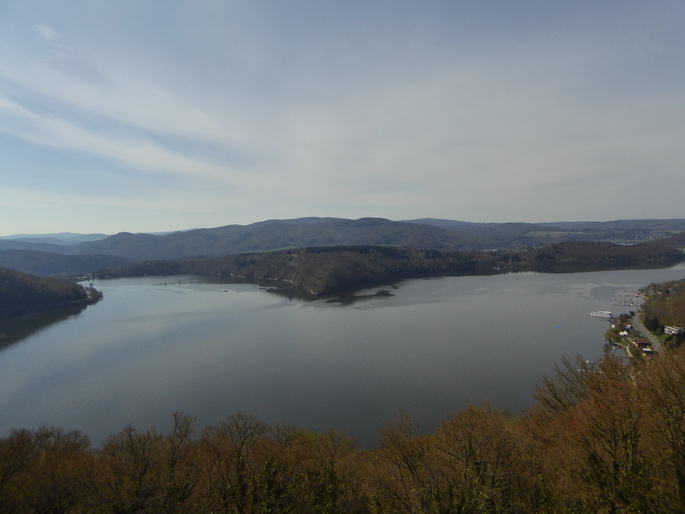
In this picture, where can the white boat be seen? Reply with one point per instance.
(602, 314)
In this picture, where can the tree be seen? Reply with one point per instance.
(129, 472)
(16, 453)
(231, 469)
(405, 477)
(481, 462)
(663, 384)
(590, 431)
(42, 471)
(181, 466)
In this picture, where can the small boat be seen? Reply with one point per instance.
(602, 314)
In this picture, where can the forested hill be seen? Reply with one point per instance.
(315, 232)
(665, 305)
(324, 270)
(278, 234)
(675, 240)
(55, 264)
(21, 293)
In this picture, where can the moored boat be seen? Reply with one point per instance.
(602, 314)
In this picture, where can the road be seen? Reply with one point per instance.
(637, 324)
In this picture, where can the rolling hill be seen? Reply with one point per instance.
(444, 235)
(313, 232)
(276, 234)
(324, 270)
(55, 264)
(22, 293)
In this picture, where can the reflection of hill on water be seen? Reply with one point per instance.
(14, 329)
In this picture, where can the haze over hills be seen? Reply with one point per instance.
(277, 234)
(435, 234)
(60, 238)
(55, 264)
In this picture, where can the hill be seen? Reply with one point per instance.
(664, 305)
(322, 232)
(22, 293)
(60, 238)
(444, 235)
(573, 257)
(276, 234)
(324, 270)
(676, 240)
(535, 234)
(316, 232)
(54, 264)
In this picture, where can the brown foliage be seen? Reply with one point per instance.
(42, 471)
(665, 303)
(604, 437)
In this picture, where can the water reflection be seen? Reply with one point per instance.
(14, 329)
(211, 348)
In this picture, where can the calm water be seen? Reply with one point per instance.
(155, 345)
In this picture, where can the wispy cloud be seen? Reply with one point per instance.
(134, 152)
(253, 111)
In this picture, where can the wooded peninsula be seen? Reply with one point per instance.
(23, 293)
(326, 270)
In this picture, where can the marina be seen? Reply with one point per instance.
(627, 298)
(631, 298)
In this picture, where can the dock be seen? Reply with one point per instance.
(627, 298)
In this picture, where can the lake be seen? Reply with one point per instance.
(159, 344)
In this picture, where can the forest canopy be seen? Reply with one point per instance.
(325, 270)
(21, 293)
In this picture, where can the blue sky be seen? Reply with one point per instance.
(163, 115)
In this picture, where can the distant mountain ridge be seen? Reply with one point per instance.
(639, 225)
(314, 232)
(56, 264)
(60, 238)
(268, 235)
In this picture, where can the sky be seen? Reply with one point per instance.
(175, 114)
